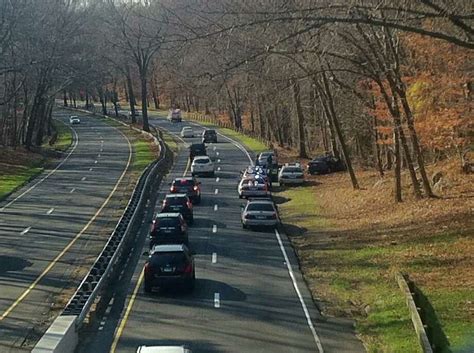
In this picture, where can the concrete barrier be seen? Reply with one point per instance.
(61, 337)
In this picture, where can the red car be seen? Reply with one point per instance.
(189, 186)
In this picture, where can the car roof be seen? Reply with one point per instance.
(163, 349)
(184, 178)
(169, 196)
(168, 248)
(187, 127)
(263, 200)
(168, 215)
(197, 145)
(209, 130)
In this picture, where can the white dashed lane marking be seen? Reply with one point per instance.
(217, 300)
(217, 179)
(216, 191)
(50, 210)
(214, 228)
(83, 178)
(26, 230)
(214, 257)
(72, 190)
(216, 207)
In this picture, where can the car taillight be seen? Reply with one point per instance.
(265, 187)
(188, 268)
(165, 203)
(153, 226)
(173, 189)
(189, 204)
(195, 188)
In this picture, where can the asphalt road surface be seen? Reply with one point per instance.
(249, 294)
(52, 226)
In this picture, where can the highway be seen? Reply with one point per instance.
(55, 225)
(249, 294)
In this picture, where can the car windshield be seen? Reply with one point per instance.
(165, 258)
(292, 170)
(268, 207)
(201, 161)
(175, 200)
(168, 222)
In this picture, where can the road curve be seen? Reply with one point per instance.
(249, 295)
(52, 226)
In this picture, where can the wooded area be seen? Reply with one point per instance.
(381, 84)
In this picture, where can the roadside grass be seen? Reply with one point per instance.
(351, 243)
(249, 142)
(18, 166)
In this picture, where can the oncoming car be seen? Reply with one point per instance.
(260, 212)
(187, 131)
(74, 119)
(174, 115)
(209, 136)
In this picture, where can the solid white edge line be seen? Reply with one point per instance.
(214, 257)
(238, 145)
(217, 300)
(76, 141)
(295, 285)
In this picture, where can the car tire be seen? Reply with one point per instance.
(147, 287)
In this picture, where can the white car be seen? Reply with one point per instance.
(202, 165)
(260, 212)
(187, 131)
(74, 119)
(163, 349)
(174, 115)
(253, 186)
(291, 174)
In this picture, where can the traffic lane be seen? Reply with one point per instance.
(33, 251)
(251, 316)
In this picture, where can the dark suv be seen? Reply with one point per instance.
(325, 165)
(169, 266)
(188, 185)
(197, 149)
(168, 228)
(179, 203)
(209, 136)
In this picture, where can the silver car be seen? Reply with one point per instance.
(291, 174)
(260, 213)
(253, 186)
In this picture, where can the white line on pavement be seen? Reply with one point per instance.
(216, 207)
(214, 228)
(216, 191)
(98, 156)
(90, 169)
(218, 169)
(217, 300)
(50, 210)
(83, 178)
(295, 285)
(26, 230)
(95, 162)
(218, 161)
(72, 190)
(217, 179)
(214, 257)
(217, 153)
(214, 148)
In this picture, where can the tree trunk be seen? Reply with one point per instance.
(131, 96)
(300, 115)
(398, 165)
(154, 92)
(337, 129)
(378, 159)
(146, 126)
(65, 98)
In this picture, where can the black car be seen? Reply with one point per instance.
(197, 149)
(209, 136)
(188, 185)
(169, 266)
(168, 228)
(325, 165)
(178, 203)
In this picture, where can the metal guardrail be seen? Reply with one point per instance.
(103, 269)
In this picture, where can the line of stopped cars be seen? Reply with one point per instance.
(171, 260)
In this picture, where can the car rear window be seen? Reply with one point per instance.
(201, 161)
(175, 200)
(292, 170)
(168, 222)
(209, 132)
(260, 207)
(183, 183)
(164, 258)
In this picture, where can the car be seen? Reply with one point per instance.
(325, 164)
(209, 136)
(197, 149)
(253, 187)
(74, 119)
(179, 203)
(202, 165)
(187, 131)
(169, 266)
(188, 185)
(163, 349)
(272, 168)
(291, 174)
(256, 171)
(260, 212)
(174, 115)
(169, 228)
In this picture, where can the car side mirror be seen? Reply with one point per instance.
(146, 253)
